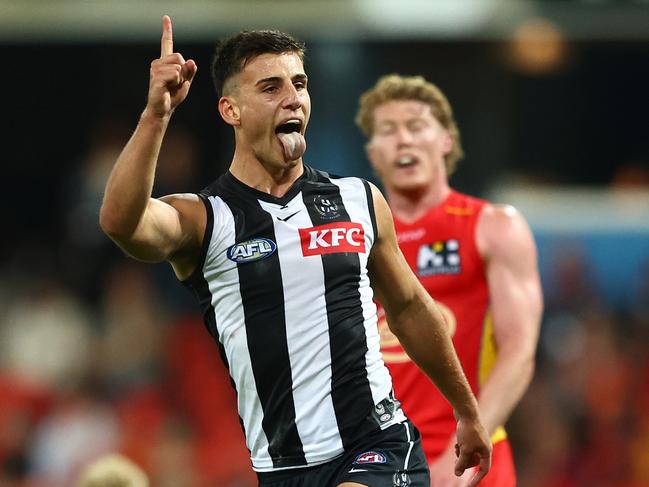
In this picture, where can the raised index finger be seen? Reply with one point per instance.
(167, 41)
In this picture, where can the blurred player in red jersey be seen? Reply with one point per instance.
(477, 259)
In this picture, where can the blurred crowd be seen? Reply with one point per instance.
(585, 418)
(100, 354)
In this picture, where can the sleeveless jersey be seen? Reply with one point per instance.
(441, 250)
(285, 293)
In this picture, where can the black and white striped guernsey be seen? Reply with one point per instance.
(284, 289)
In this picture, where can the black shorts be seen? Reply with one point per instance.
(391, 458)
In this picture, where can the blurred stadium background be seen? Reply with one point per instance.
(99, 353)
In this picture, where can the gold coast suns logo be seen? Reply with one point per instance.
(390, 346)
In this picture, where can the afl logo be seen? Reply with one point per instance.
(251, 250)
(370, 457)
(326, 208)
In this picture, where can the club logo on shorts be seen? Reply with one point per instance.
(441, 257)
(401, 479)
(251, 250)
(332, 238)
(370, 457)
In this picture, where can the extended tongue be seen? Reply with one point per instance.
(294, 145)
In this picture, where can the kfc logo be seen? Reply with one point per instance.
(332, 238)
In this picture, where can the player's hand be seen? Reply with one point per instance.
(170, 76)
(442, 470)
(473, 449)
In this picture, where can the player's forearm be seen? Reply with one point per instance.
(504, 388)
(424, 336)
(517, 307)
(130, 183)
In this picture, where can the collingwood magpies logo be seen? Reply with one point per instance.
(326, 208)
(442, 257)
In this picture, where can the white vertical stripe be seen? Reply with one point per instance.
(307, 333)
(223, 279)
(410, 445)
(354, 197)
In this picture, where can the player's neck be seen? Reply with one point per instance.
(410, 206)
(271, 179)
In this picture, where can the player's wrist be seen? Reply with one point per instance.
(155, 117)
(468, 412)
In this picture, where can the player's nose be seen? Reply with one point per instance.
(403, 136)
(292, 101)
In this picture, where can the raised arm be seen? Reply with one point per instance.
(507, 246)
(415, 320)
(168, 228)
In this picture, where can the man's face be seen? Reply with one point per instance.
(274, 108)
(408, 145)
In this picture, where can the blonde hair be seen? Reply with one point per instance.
(113, 471)
(397, 87)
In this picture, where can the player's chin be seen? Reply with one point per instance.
(409, 183)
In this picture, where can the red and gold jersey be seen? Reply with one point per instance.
(441, 250)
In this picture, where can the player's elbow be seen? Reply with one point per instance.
(108, 221)
(525, 364)
(527, 369)
(112, 224)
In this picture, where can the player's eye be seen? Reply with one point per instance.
(416, 126)
(385, 129)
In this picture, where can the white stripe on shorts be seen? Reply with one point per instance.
(410, 443)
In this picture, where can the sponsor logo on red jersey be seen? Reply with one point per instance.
(441, 257)
(332, 238)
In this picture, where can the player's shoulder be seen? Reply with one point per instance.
(500, 215)
(183, 201)
(501, 227)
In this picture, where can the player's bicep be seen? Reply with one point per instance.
(169, 226)
(512, 275)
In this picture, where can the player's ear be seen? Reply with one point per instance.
(229, 110)
(447, 142)
(373, 155)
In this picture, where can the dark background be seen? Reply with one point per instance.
(114, 351)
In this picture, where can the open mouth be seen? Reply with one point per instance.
(289, 127)
(289, 134)
(406, 161)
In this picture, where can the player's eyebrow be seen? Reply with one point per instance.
(300, 77)
(270, 79)
(277, 79)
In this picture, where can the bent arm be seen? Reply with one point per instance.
(148, 229)
(415, 320)
(153, 230)
(414, 317)
(506, 243)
